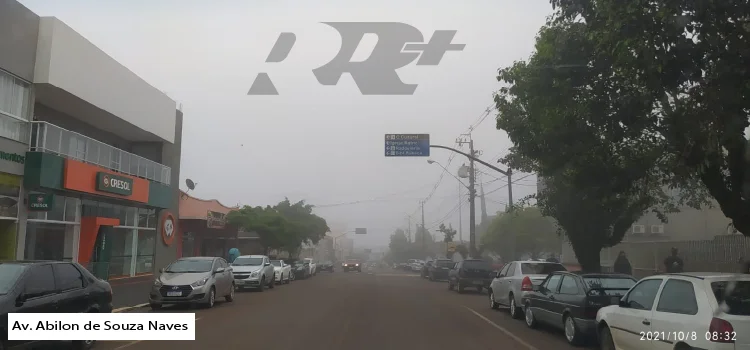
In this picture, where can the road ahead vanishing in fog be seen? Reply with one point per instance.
(344, 311)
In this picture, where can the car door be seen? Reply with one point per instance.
(569, 296)
(38, 295)
(676, 309)
(507, 284)
(226, 276)
(453, 273)
(71, 288)
(547, 310)
(633, 317)
(497, 282)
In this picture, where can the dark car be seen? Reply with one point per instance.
(301, 270)
(352, 265)
(470, 273)
(326, 266)
(425, 269)
(439, 269)
(49, 287)
(570, 300)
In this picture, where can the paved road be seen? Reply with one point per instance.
(344, 311)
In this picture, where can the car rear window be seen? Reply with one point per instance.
(609, 285)
(444, 263)
(477, 265)
(733, 297)
(541, 268)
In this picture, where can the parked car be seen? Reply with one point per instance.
(439, 269)
(516, 278)
(569, 301)
(692, 310)
(352, 265)
(425, 269)
(282, 272)
(254, 271)
(49, 287)
(326, 266)
(313, 266)
(195, 280)
(301, 270)
(470, 273)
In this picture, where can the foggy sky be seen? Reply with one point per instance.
(323, 144)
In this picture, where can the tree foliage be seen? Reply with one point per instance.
(401, 249)
(284, 226)
(681, 74)
(448, 233)
(571, 122)
(531, 232)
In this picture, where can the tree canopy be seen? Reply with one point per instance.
(448, 233)
(284, 226)
(533, 234)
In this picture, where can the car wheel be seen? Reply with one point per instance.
(273, 283)
(515, 311)
(450, 285)
(292, 276)
(529, 316)
(211, 298)
(155, 306)
(262, 285)
(572, 333)
(605, 339)
(288, 278)
(80, 344)
(493, 304)
(460, 287)
(230, 297)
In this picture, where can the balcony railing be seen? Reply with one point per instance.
(50, 138)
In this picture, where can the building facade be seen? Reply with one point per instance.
(89, 153)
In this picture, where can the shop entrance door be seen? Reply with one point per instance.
(102, 252)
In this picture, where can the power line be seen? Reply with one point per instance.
(506, 185)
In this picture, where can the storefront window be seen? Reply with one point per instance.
(146, 244)
(121, 253)
(64, 209)
(10, 187)
(49, 241)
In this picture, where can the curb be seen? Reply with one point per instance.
(128, 308)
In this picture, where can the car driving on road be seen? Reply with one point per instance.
(196, 280)
(253, 271)
(352, 265)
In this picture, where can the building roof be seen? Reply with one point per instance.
(196, 208)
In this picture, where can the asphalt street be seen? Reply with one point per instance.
(365, 311)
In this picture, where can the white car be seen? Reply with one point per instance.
(282, 271)
(313, 267)
(695, 310)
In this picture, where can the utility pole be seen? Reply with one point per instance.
(408, 230)
(460, 214)
(424, 233)
(472, 195)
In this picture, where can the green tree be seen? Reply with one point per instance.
(267, 222)
(399, 246)
(302, 224)
(531, 232)
(679, 71)
(449, 232)
(562, 110)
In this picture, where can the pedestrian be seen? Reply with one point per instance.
(233, 254)
(622, 264)
(674, 263)
(744, 266)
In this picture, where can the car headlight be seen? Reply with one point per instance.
(356, 264)
(200, 283)
(157, 283)
(254, 274)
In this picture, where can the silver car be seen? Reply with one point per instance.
(517, 278)
(253, 271)
(197, 280)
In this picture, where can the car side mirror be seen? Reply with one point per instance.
(267, 264)
(161, 270)
(21, 299)
(623, 303)
(219, 270)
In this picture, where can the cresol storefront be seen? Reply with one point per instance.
(110, 222)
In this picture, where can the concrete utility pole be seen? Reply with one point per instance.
(460, 213)
(408, 230)
(424, 232)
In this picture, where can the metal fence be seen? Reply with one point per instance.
(50, 138)
(721, 254)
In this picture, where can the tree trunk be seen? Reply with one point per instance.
(588, 255)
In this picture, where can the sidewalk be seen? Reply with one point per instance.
(131, 291)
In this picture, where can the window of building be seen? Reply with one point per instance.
(50, 235)
(14, 107)
(10, 188)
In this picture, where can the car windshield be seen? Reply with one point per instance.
(444, 263)
(190, 266)
(248, 262)
(9, 274)
(477, 265)
(352, 262)
(621, 283)
(736, 301)
(276, 263)
(541, 268)
(299, 263)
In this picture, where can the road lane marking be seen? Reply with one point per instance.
(139, 341)
(394, 275)
(507, 332)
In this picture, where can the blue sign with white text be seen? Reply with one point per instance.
(407, 145)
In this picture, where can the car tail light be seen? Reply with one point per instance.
(720, 331)
(526, 284)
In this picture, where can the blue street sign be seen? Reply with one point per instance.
(407, 145)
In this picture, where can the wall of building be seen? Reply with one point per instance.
(170, 156)
(19, 28)
(66, 60)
